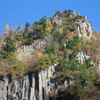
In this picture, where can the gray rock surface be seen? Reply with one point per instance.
(73, 13)
(78, 13)
(33, 86)
(25, 51)
(82, 56)
(57, 20)
(84, 29)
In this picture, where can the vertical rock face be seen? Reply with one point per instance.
(78, 13)
(33, 86)
(82, 56)
(3, 88)
(57, 20)
(73, 13)
(84, 29)
(25, 51)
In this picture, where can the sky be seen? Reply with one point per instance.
(18, 12)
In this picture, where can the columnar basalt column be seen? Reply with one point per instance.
(40, 87)
(41, 43)
(26, 46)
(32, 94)
(21, 50)
(22, 47)
(26, 86)
(18, 50)
(30, 47)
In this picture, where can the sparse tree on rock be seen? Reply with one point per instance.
(26, 26)
(49, 26)
(6, 30)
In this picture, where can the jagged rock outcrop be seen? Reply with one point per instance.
(73, 13)
(25, 51)
(57, 19)
(82, 56)
(78, 13)
(84, 29)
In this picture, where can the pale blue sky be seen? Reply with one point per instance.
(22, 11)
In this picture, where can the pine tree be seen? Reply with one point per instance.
(26, 26)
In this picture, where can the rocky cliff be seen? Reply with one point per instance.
(25, 51)
(84, 29)
(36, 86)
(33, 86)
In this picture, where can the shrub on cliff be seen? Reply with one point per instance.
(9, 47)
